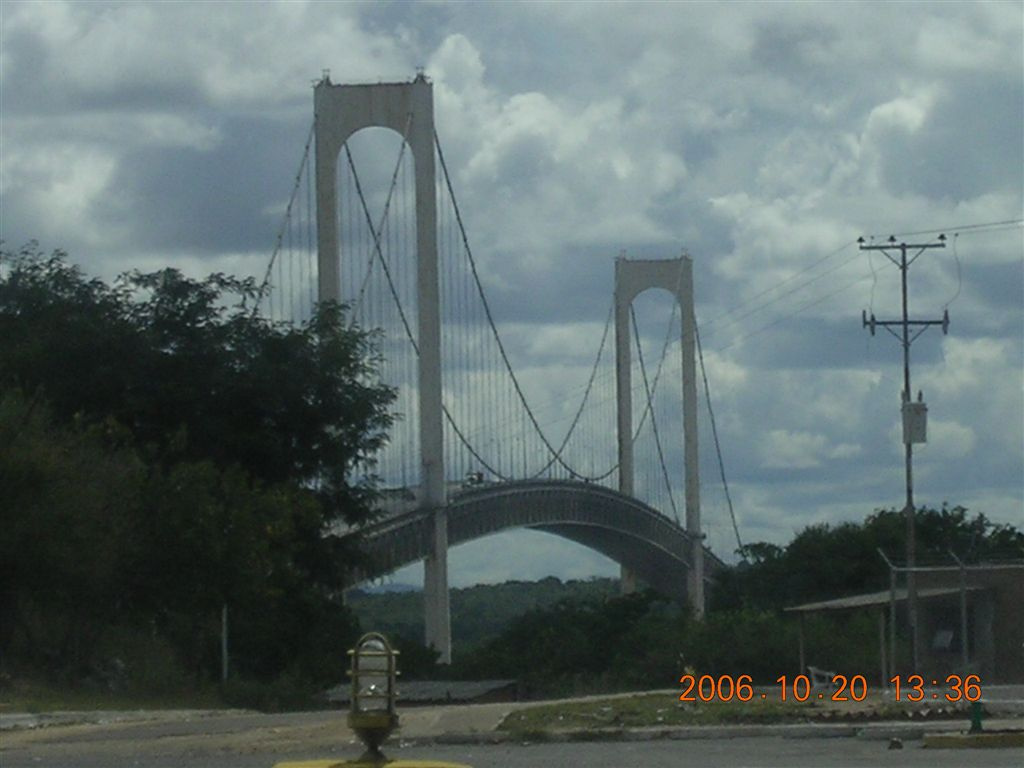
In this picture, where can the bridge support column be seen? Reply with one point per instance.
(631, 279)
(627, 580)
(437, 612)
(695, 587)
(407, 109)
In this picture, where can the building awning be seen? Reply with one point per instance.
(875, 599)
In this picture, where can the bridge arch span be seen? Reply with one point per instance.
(618, 526)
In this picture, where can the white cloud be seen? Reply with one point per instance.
(58, 185)
(948, 440)
(970, 364)
(784, 449)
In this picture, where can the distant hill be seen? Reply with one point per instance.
(383, 589)
(478, 613)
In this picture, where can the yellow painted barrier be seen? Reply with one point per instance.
(365, 764)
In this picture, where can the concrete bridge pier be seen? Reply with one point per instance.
(436, 609)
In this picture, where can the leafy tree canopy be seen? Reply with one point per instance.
(194, 374)
(165, 451)
(825, 561)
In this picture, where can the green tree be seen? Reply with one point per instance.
(66, 506)
(250, 440)
(564, 646)
(826, 561)
(194, 374)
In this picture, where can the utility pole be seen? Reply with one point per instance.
(914, 414)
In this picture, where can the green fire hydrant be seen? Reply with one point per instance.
(976, 713)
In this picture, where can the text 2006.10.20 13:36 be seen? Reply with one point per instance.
(706, 688)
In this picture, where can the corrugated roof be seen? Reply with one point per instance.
(871, 599)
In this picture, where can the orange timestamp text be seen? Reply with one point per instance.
(914, 688)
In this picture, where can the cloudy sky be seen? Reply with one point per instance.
(763, 138)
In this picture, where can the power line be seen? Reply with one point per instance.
(794, 313)
(978, 228)
(1008, 223)
(778, 285)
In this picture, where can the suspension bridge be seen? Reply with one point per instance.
(469, 455)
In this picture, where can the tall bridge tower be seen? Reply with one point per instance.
(407, 109)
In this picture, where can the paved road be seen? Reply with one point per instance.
(761, 752)
(257, 741)
(771, 752)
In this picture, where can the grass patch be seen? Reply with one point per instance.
(282, 695)
(664, 710)
(653, 710)
(34, 697)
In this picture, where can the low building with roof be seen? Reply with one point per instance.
(971, 622)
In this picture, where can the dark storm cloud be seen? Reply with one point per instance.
(38, 82)
(999, 286)
(793, 47)
(971, 142)
(229, 197)
(21, 222)
(543, 296)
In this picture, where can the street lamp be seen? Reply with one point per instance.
(373, 715)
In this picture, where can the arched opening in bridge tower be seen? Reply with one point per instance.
(377, 245)
(658, 447)
(654, 310)
(657, 315)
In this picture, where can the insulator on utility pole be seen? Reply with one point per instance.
(866, 323)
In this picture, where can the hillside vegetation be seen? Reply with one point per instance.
(480, 613)
(583, 637)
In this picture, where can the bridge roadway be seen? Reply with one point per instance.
(618, 526)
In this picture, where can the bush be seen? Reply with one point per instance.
(287, 693)
(138, 660)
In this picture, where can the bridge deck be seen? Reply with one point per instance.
(620, 527)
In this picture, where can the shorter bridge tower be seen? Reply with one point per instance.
(633, 277)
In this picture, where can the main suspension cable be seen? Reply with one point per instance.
(586, 394)
(408, 327)
(490, 318)
(714, 432)
(303, 164)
